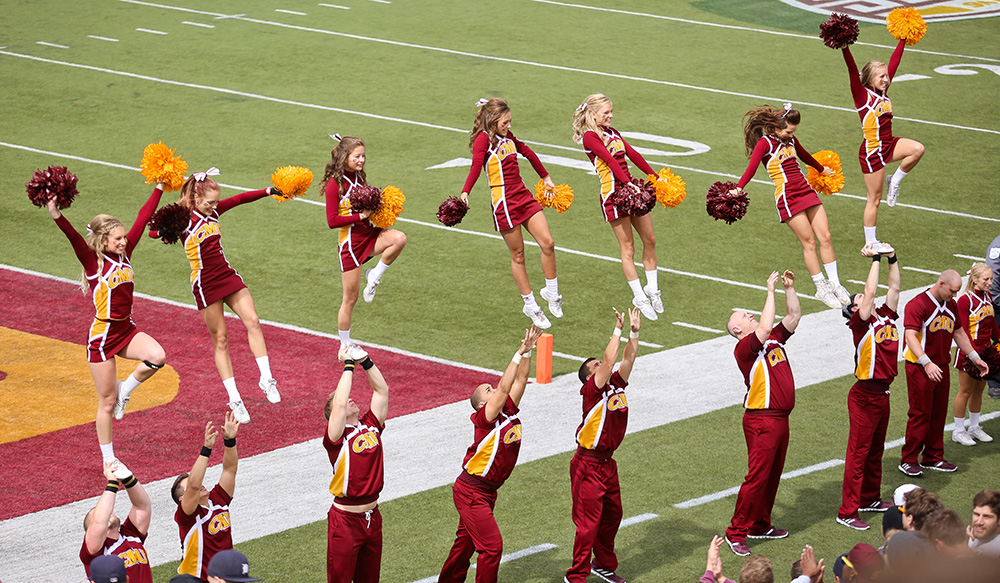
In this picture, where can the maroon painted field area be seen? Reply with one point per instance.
(61, 466)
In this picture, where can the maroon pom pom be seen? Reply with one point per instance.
(839, 31)
(452, 211)
(169, 223)
(992, 357)
(365, 198)
(634, 202)
(53, 182)
(724, 205)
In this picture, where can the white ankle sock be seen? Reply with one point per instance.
(230, 384)
(379, 270)
(959, 424)
(637, 289)
(552, 285)
(265, 367)
(651, 280)
(870, 235)
(973, 420)
(898, 176)
(529, 300)
(128, 385)
(107, 451)
(831, 273)
(345, 336)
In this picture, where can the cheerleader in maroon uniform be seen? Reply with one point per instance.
(107, 273)
(215, 284)
(607, 150)
(769, 140)
(975, 314)
(879, 147)
(494, 150)
(358, 239)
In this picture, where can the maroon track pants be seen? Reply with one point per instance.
(868, 410)
(477, 531)
(597, 512)
(926, 416)
(354, 546)
(767, 442)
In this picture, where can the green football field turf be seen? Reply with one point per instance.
(264, 90)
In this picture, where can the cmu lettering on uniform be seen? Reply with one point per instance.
(617, 402)
(943, 323)
(886, 333)
(775, 356)
(219, 523)
(206, 231)
(365, 441)
(120, 276)
(513, 434)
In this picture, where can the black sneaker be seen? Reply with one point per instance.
(912, 470)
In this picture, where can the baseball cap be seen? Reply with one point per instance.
(899, 496)
(107, 569)
(230, 565)
(838, 566)
(892, 519)
(865, 560)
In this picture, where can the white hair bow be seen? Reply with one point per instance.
(788, 107)
(200, 176)
(581, 107)
(336, 137)
(482, 101)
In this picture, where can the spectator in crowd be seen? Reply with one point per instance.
(984, 532)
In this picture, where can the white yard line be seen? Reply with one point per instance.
(504, 559)
(150, 31)
(861, 283)
(336, 6)
(969, 257)
(45, 44)
(696, 327)
(198, 24)
(104, 38)
(919, 270)
(808, 470)
(798, 102)
(283, 11)
(813, 37)
(637, 519)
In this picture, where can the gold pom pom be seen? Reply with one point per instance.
(391, 207)
(670, 189)
(906, 24)
(827, 184)
(560, 198)
(160, 165)
(291, 181)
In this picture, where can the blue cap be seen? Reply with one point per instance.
(230, 565)
(107, 569)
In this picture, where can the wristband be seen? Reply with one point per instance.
(112, 486)
(924, 360)
(206, 451)
(130, 481)
(229, 442)
(876, 258)
(516, 359)
(348, 365)
(526, 354)
(633, 334)
(892, 260)
(974, 356)
(367, 364)
(617, 332)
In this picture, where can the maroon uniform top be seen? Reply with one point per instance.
(613, 155)
(128, 546)
(492, 456)
(876, 121)
(357, 469)
(112, 288)
(780, 157)
(500, 162)
(976, 315)
(605, 415)
(876, 345)
(934, 323)
(766, 372)
(204, 532)
(203, 241)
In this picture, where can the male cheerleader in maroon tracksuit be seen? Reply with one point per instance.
(353, 441)
(876, 350)
(930, 325)
(593, 474)
(760, 354)
(488, 464)
(203, 515)
(107, 535)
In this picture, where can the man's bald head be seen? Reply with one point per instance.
(949, 285)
